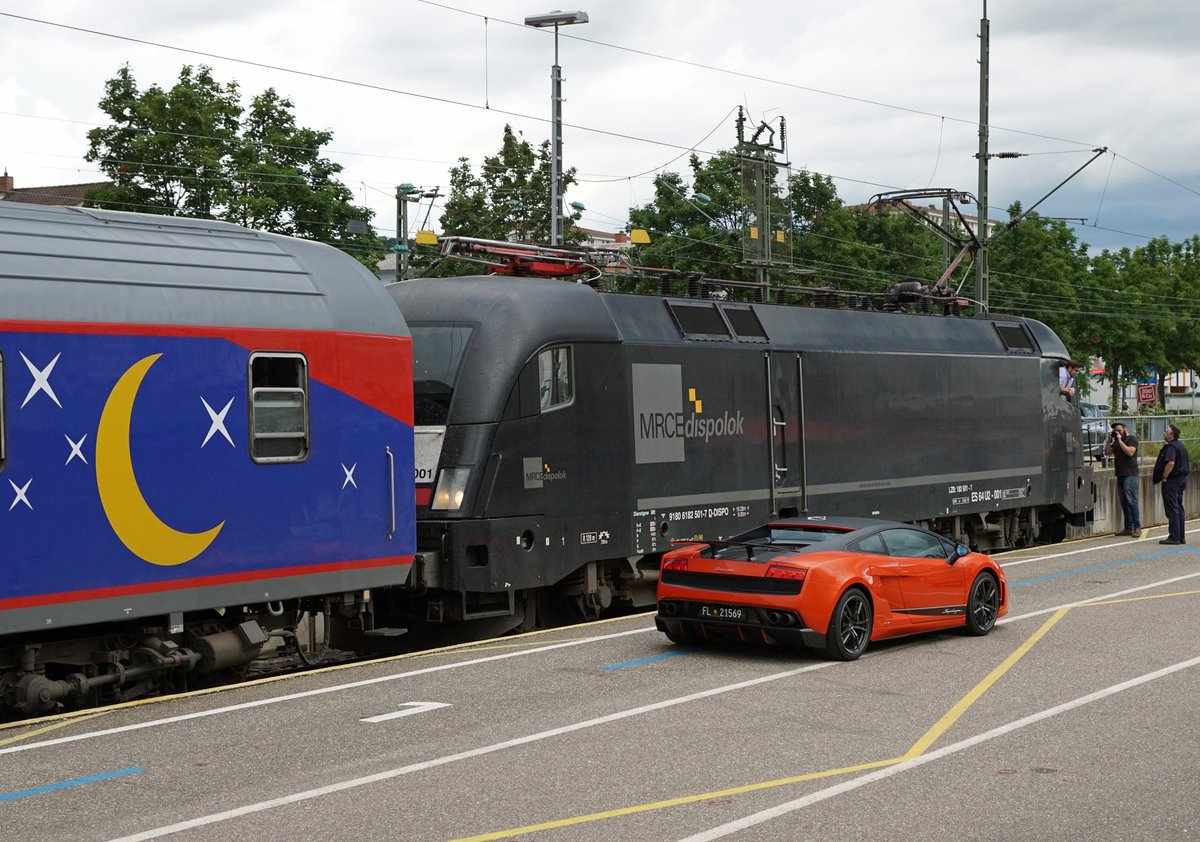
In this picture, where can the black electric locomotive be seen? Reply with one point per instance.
(566, 435)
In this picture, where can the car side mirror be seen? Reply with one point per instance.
(959, 551)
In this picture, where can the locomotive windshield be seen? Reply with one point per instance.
(437, 356)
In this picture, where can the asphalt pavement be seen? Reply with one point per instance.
(1076, 716)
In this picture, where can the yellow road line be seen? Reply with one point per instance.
(922, 745)
(1136, 599)
(675, 802)
(38, 732)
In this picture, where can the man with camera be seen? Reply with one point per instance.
(1122, 446)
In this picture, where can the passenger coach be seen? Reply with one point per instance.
(198, 438)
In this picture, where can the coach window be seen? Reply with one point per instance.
(555, 377)
(278, 407)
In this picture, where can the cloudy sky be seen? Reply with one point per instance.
(879, 94)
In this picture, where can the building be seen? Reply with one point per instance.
(70, 195)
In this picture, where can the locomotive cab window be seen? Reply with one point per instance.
(278, 407)
(438, 352)
(555, 378)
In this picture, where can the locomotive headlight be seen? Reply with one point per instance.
(451, 487)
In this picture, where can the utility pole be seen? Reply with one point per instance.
(556, 19)
(756, 165)
(406, 193)
(981, 262)
(403, 191)
(946, 255)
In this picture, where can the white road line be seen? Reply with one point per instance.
(409, 708)
(474, 661)
(307, 693)
(1090, 549)
(319, 792)
(1114, 595)
(261, 806)
(881, 774)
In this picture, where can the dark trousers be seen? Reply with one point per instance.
(1127, 491)
(1172, 495)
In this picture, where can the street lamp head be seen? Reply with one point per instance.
(556, 18)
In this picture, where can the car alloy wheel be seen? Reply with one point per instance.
(983, 604)
(850, 626)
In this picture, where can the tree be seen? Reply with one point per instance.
(699, 232)
(1038, 269)
(857, 249)
(509, 200)
(192, 151)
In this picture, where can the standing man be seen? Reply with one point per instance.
(1066, 378)
(1171, 470)
(1122, 446)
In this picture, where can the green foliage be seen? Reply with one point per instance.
(688, 236)
(1134, 308)
(1038, 269)
(509, 200)
(191, 150)
(847, 248)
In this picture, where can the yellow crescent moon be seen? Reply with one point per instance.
(135, 523)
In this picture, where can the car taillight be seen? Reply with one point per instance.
(776, 572)
(676, 563)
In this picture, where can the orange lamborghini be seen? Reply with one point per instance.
(828, 583)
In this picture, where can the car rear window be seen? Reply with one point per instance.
(801, 535)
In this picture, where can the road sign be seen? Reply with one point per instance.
(1146, 393)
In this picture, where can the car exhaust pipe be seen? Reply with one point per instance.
(773, 617)
(669, 609)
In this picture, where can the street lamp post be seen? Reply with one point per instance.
(556, 19)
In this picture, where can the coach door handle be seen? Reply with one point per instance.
(391, 459)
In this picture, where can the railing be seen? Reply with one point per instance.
(1149, 430)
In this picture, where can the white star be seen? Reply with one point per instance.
(349, 475)
(76, 448)
(218, 422)
(41, 380)
(20, 498)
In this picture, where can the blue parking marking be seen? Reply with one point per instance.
(25, 793)
(1093, 569)
(640, 661)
